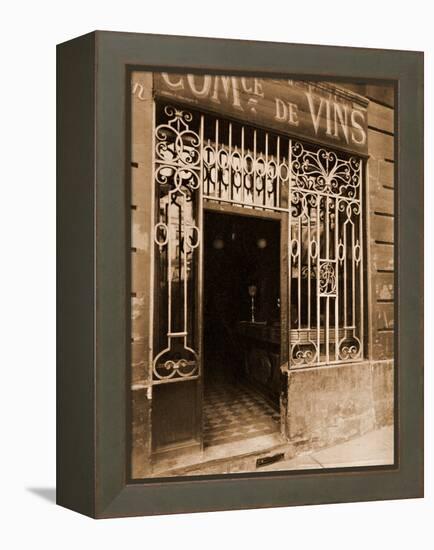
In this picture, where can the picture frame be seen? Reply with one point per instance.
(94, 274)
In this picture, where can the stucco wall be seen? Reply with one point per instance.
(141, 429)
(383, 392)
(327, 405)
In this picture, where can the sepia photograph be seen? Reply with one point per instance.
(213, 288)
(262, 274)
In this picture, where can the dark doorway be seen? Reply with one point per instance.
(241, 327)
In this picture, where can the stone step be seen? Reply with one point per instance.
(238, 457)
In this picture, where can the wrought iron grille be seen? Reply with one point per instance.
(199, 157)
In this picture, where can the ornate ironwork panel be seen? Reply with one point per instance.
(242, 165)
(177, 238)
(200, 157)
(326, 256)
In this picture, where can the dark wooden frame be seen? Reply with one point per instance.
(93, 274)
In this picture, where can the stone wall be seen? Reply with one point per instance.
(141, 238)
(141, 429)
(383, 392)
(328, 405)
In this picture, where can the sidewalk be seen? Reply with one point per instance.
(372, 449)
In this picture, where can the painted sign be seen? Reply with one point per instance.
(317, 111)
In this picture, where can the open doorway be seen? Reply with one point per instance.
(241, 328)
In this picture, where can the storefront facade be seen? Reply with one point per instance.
(262, 237)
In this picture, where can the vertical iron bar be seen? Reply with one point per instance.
(208, 162)
(265, 173)
(169, 269)
(318, 298)
(353, 279)
(243, 201)
(336, 279)
(199, 305)
(230, 184)
(327, 299)
(152, 245)
(277, 195)
(361, 263)
(217, 178)
(299, 273)
(308, 268)
(289, 256)
(345, 272)
(254, 169)
(183, 250)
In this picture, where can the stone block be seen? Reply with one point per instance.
(330, 404)
(383, 392)
(141, 434)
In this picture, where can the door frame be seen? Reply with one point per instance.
(284, 270)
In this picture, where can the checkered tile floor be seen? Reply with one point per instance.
(234, 412)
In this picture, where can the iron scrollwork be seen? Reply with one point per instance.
(319, 190)
(176, 237)
(327, 278)
(325, 251)
(349, 348)
(303, 353)
(324, 171)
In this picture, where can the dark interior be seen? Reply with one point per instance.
(241, 251)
